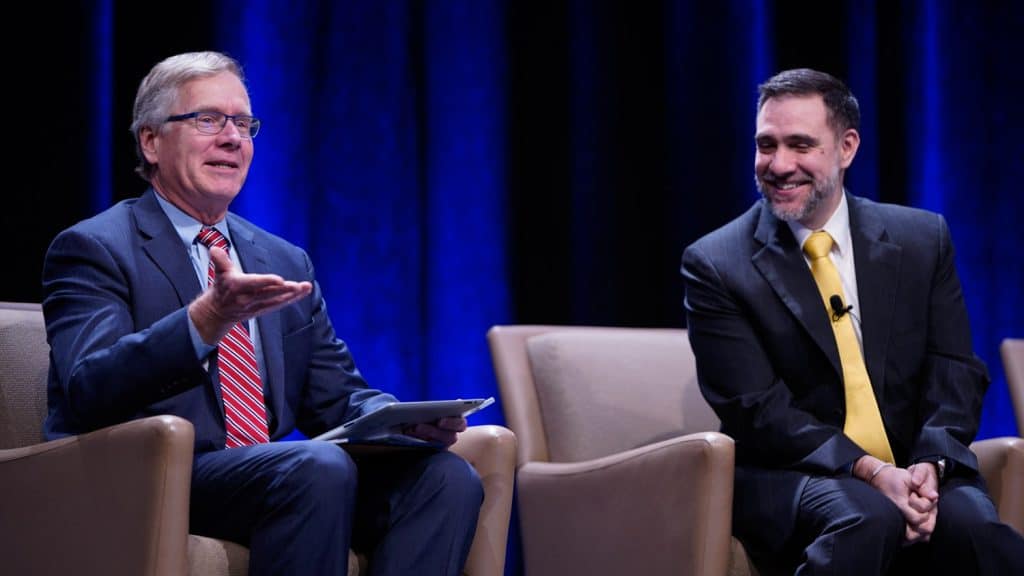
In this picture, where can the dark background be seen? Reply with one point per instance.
(450, 165)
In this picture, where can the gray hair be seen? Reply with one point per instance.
(159, 90)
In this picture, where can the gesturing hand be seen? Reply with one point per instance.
(236, 296)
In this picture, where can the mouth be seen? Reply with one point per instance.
(788, 185)
(223, 164)
(784, 190)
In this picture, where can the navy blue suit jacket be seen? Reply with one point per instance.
(768, 364)
(116, 288)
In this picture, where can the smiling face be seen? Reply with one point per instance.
(800, 160)
(201, 174)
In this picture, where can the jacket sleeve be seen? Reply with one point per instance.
(103, 370)
(953, 379)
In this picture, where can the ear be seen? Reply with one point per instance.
(848, 145)
(148, 142)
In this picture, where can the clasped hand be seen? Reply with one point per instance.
(236, 296)
(914, 490)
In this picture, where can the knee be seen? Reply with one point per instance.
(880, 517)
(454, 481)
(320, 473)
(965, 514)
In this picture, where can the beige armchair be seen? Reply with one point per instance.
(620, 468)
(115, 501)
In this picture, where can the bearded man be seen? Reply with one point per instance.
(832, 341)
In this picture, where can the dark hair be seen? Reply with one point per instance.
(840, 104)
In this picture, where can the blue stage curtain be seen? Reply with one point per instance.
(965, 153)
(453, 165)
(100, 114)
(382, 154)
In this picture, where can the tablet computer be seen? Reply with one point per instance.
(389, 419)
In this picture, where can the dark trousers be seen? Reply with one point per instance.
(299, 506)
(847, 527)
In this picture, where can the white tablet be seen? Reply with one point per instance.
(390, 419)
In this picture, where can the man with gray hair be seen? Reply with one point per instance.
(832, 341)
(170, 304)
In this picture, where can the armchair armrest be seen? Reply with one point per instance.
(74, 505)
(491, 450)
(1001, 463)
(671, 499)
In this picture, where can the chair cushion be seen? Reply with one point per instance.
(603, 391)
(210, 556)
(24, 361)
(213, 557)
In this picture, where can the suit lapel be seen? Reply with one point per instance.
(162, 245)
(782, 265)
(256, 260)
(878, 265)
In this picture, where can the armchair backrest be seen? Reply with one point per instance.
(576, 393)
(24, 362)
(1012, 352)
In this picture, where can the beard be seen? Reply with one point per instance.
(820, 190)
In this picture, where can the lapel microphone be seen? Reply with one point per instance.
(838, 310)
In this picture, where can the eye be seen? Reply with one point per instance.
(208, 120)
(243, 122)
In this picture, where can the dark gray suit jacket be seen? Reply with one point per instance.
(768, 364)
(116, 287)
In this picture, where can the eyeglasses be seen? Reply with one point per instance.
(214, 122)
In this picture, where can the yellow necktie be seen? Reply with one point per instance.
(863, 420)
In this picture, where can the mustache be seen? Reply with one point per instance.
(788, 179)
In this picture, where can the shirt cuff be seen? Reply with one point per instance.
(202, 349)
(947, 465)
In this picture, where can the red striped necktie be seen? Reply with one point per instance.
(245, 413)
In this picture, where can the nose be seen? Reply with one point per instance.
(230, 134)
(781, 161)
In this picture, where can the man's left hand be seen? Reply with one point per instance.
(924, 498)
(444, 431)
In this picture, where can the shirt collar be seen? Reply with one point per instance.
(838, 227)
(186, 226)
